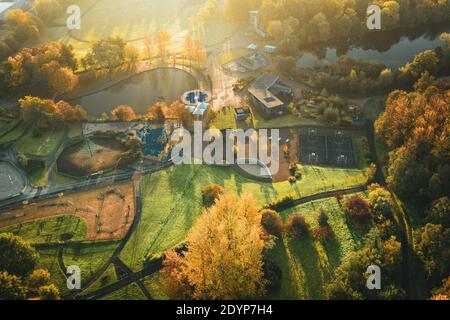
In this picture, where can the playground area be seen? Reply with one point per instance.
(108, 212)
(90, 156)
(327, 146)
(12, 181)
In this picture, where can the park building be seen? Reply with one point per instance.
(270, 95)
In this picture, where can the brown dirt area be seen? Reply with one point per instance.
(107, 211)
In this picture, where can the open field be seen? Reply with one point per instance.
(108, 277)
(39, 178)
(14, 134)
(172, 200)
(48, 259)
(133, 20)
(155, 286)
(307, 264)
(287, 120)
(108, 211)
(224, 120)
(51, 229)
(88, 256)
(42, 145)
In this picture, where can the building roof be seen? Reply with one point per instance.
(260, 90)
(265, 81)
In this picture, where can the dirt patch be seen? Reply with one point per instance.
(108, 211)
(85, 158)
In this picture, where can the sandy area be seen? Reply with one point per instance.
(107, 211)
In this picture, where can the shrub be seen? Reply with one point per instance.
(298, 175)
(296, 225)
(293, 167)
(211, 193)
(292, 179)
(280, 202)
(271, 222)
(357, 209)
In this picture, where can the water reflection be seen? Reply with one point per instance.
(141, 91)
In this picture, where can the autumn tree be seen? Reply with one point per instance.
(357, 208)
(272, 223)
(22, 23)
(41, 113)
(162, 38)
(124, 113)
(296, 225)
(224, 259)
(48, 10)
(211, 193)
(106, 53)
(71, 114)
(156, 112)
(17, 257)
(60, 79)
(349, 280)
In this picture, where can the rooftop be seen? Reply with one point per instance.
(260, 90)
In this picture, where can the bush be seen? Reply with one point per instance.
(271, 222)
(292, 179)
(280, 202)
(357, 209)
(297, 226)
(211, 193)
(298, 175)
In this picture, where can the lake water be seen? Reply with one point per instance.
(141, 91)
(394, 49)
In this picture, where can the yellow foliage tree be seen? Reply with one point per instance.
(225, 255)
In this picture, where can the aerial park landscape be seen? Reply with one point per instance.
(224, 150)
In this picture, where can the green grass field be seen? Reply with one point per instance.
(155, 286)
(89, 256)
(307, 264)
(14, 134)
(48, 259)
(107, 278)
(287, 120)
(50, 229)
(39, 178)
(172, 201)
(40, 146)
(135, 19)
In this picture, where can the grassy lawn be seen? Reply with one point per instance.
(48, 259)
(40, 146)
(224, 119)
(107, 278)
(50, 229)
(307, 264)
(39, 178)
(60, 179)
(155, 286)
(13, 135)
(287, 120)
(172, 201)
(88, 256)
(130, 292)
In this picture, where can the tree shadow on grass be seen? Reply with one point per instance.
(306, 255)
